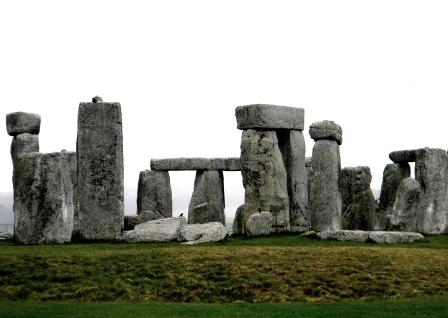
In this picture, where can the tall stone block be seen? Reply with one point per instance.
(405, 212)
(207, 202)
(154, 193)
(24, 143)
(100, 170)
(264, 177)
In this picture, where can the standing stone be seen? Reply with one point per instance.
(100, 170)
(404, 215)
(309, 172)
(431, 171)
(24, 143)
(238, 226)
(154, 193)
(70, 159)
(292, 147)
(43, 199)
(207, 202)
(325, 197)
(21, 123)
(264, 177)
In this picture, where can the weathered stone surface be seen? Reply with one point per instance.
(130, 221)
(371, 236)
(6, 236)
(202, 233)
(72, 166)
(431, 171)
(207, 202)
(43, 199)
(264, 177)
(162, 230)
(355, 179)
(154, 193)
(405, 210)
(24, 143)
(259, 224)
(261, 116)
(173, 164)
(325, 196)
(21, 123)
(238, 221)
(403, 156)
(309, 172)
(97, 99)
(327, 130)
(100, 170)
(292, 147)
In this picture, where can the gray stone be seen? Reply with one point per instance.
(292, 147)
(325, 196)
(259, 224)
(270, 117)
(431, 171)
(355, 179)
(224, 164)
(310, 234)
(207, 202)
(173, 164)
(264, 177)
(24, 143)
(327, 130)
(403, 156)
(100, 170)
(130, 221)
(371, 236)
(154, 193)
(405, 210)
(43, 199)
(238, 222)
(21, 123)
(97, 99)
(202, 233)
(162, 230)
(6, 236)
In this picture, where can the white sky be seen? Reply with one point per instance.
(179, 68)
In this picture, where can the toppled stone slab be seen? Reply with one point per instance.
(130, 221)
(173, 164)
(403, 156)
(326, 129)
(405, 211)
(238, 222)
(6, 236)
(154, 193)
(162, 230)
(202, 233)
(371, 236)
(259, 224)
(262, 116)
(21, 123)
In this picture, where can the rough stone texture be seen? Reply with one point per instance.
(325, 196)
(371, 236)
(309, 172)
(24, 143)
(431, 171)
(238, 222)
(292, 147)
(202, 233)
(405, 210)
(264, 177)
(393, 175)
(259, 224)
(403, 156)
(173, 164)
(207, 202)
(72, 166)
(97, 99)
(100, 170)
(327, 130)
(154, 193)
(43, 199)
(130, 221)
(21, 123)
(6, 236)
(271, 117)
(162, 230)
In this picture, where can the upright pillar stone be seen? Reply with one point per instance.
(154, 193)
(325, 196)
(207, 202)
(405, 212)
(100, 170)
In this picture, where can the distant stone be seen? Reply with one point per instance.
(259, 224)
(326, 129)
(162, 230)
(261, 116)
(372, 236)
(356, 179)
(202, 233)
(154, 193)
(24, 143)
(238, 222)
(21, 123)
(405, 211)
(183, 164)
(403, 156)
(130, 221)
(97, 99)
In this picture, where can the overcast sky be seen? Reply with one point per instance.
(179, 69)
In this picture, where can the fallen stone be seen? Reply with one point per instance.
(154, 193)
(264, 177)
(238, 222)
(403, 156)
(405, 210)
(261, 116)
(202, 233)
(24, 143)
(371, 236)
(6, 236)
(130, 221)
(22, 123)
(162, 230)
(207, 202)
(174, 164)
(311, 235)
(327, 130)
(100, 170)
(259, 224)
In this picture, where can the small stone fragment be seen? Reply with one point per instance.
(202, 233)
(21, 123)
(259, 224)
(326, 129)
(97, 99)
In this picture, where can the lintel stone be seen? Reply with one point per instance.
(172, 164)
(403, 156)
(262, 116)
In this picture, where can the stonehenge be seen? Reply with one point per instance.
(154, 193)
